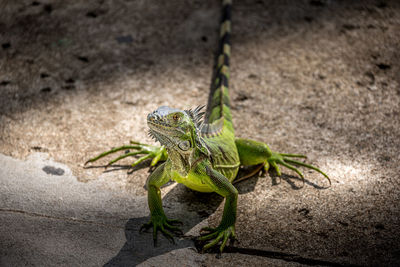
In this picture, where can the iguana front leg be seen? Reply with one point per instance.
(157, 153)
(159, 220)
(253, 152)
(226, 228)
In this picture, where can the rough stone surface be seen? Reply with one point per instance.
(313, 77)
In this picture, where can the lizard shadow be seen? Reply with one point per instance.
(189, 206)
(290, 179)
(181, 203)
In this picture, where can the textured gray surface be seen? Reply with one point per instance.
(55, 220)
(314, 77)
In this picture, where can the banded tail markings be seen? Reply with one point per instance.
(219, 104)
(225, 28)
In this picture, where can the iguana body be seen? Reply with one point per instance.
(204, 156)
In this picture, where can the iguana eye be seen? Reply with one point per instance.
(175, 117)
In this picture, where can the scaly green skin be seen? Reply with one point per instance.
(204, 156)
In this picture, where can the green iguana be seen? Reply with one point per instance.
(204, 154)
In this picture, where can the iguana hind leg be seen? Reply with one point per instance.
(253, 152)
(157, 153)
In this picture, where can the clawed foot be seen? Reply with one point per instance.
(157, 153)
(165, 225)
(217, 234)
(288, 161)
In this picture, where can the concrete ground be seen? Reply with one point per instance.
(318, 77)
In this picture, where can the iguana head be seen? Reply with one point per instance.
(177, 129)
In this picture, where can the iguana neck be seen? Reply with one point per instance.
(182, 162)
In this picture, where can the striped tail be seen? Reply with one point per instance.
(218, 112)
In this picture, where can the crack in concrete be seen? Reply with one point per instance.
(71, 219)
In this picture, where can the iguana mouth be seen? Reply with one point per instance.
(157, 123)
(162, 128)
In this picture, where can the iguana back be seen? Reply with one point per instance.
(218, 130)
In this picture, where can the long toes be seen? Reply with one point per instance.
(136, 143)
(310, 167)
(214, 242)
(207, 237)
(292, 168)
(233, 233)
(123, 156)
(226, 237)
(167, 234)
(141, 159)
(293, 155)
(156, 159)
(174, 229)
